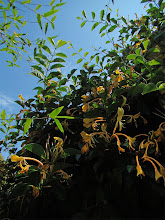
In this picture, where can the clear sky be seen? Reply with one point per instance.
(15, 81)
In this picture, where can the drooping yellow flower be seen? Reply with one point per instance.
(87, 138)
(157, 173)
(40, 97)
(59, 148)
(85, 148)
(138, 167)
(119, 123)
(118, 143)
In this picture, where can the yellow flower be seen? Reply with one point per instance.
(85, 107)
(20, 97)
(85, 148)
(85, 98)
(100, 89)
(138, 167)
(59, 148)
(118, 143)
(157, 173)
(120, 114)
(15, 158)
(40, 97)
(87, 138)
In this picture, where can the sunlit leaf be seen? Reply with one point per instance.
(59, 125)
(55, 112)
(49, 13)
(27, 125)
(84, 14)
(61, 55)
(3, 115)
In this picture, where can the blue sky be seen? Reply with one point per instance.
(15, 81)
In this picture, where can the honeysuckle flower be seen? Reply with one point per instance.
(40, 97)
(157, 173)
(134, 117)
(138, 167)
(162, 169)
(64, 175)
(159, 133)
(87, 138)
(85, 148)
(119, 123)
(24, 169)
(15, 158)
(100, 89)
(85, 98)
(104, 127)
(88, 122)
(85, 107)
(59, 148)
(118, 143)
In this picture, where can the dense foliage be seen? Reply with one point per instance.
(88, 137)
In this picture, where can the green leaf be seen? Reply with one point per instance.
(102, 14)
(46, 27)
(27, 125)
(83, 23)
(67, 117)
(41, 56)
(131, 56)
(59, 125)
(58, 60)
(49, 13)
(94, 26)
(138, 89)
(80, 50)
(93, 15)
(72, 151)
(61, 43)
(112, 28)
(39, 20)
(86, 53)
(97, 59)
(38, 6)
(61, 55)
(63, 82)
(38, 68)
(84, 14)
(2, 2)
(150, 87)
(108, 17)
(79, 60)
(145, 44)
(51, 41)
(103, 28)
(153, 50)
(153, 62)
(36, 149)
(46, 49)
(57, 65)
(138, 51)
(51, 3)
(3, 115)
(124, 20)
(4, 15)
(55, 112)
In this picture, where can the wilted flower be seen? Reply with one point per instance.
(119, 123)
